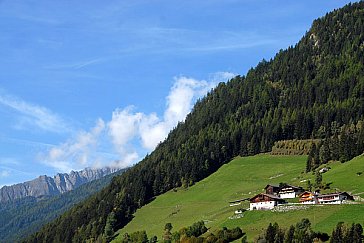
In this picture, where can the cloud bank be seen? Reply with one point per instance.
(129, 132)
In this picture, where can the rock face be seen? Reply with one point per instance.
(45, 185)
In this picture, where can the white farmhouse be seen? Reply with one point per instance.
(289, 191)
(334, 198)
(264, 201)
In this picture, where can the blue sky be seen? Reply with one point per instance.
(94, 83)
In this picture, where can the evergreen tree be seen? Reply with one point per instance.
(310, 159)
(303, 232)
(358, 233)
(109, 227)
(271, 233)
(337, 235)
(167, 237)
(318, 179)
(289, 237)
(309, 186)
(324, 153)
(153, 239)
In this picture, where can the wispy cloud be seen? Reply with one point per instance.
(75, 153)
(76, 65)
(30, 116)
(9, 161)
(25, 142)
(174, 40)
(8, 170)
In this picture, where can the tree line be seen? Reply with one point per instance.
(340, 144)
(302, 232)
(192, 233)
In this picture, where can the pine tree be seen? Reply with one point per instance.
(289, 237)
(309, 163)
(318, 179)
(310, 158)
(324, 152)
(167, 237)
(309, 185)
(270, 233)
(316, 157)
(109, 227)
(358, 233)
(337, 234)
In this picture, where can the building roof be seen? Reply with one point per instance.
(336, 194)
(271, 186)
(306, 192)
(328, 194)
(273, 197)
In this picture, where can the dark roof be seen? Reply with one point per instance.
(274, 197)
(271, 186)
(335, 194)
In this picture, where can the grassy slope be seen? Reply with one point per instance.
(244, 177)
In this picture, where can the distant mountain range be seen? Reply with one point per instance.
(50, 186)
(22, 217)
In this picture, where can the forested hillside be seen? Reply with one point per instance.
(307, 91)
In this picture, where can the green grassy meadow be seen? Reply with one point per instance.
(242, 178)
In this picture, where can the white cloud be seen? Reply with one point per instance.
(126, 160)
(75, 154)
(180, 100)
(31, 115)
(123, 127)
(130, 132)
(152, 129)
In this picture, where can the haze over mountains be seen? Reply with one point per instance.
(49, 186)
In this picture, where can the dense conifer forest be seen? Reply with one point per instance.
(312, 90)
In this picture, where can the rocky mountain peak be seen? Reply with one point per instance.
(58, 184)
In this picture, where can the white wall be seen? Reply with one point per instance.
(309, 202)
(287, 195)
(336, 200)
(262, 205)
